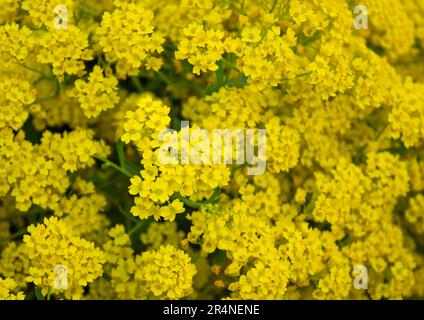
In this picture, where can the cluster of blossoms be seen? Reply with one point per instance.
(158, 184)
(91, 92)
(53, 244)
(96, 95)
(127, 38)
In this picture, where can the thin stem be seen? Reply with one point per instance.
(191, 203)
(120, 152)
(236, 168)
(178, 84)
(242, 7)
(135, 228)
(279, 13)
(55, 94)
(38, 294)
(165, 78)
(127, 215)
(303, 74)
(197, 205)
(43, 99)
(43, 76)
(380, 133)
(274, 3)
(29, 68)
(13, 236)
(107, 163)
(137, 84)
(231, 65)
(104, 64)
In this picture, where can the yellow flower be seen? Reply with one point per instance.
(167, 273)
(54, 244)
(96, 95)
(16, 97)
(127, 37)
(6, 290)
(65, 50)
(252, 34)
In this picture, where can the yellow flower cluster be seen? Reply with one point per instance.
(37, 174)
(166, 272)
(178, 14)
(283, 144)
(263, 282)
(158, 183)
(16, 42)
(202, 48)
(236, 108)
(14, 263)
(415, 213)
(232, 108)
(83, 211)
(110, 186)
(62, 111)
(42, 12)
(396, 35)
(16, 98)
(65, 49)
(264, 55)
(10, 11)
(143, 125)
(377, 188)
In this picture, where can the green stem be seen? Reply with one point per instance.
(197, 205)
(127, 215)
(38, 294)
(242, 6)
(43, 99)
(107, 163)
(231, 65)
(165, 78)
(121, 153)
(191, 203)
(102, 62)
(303, 74)
(49, 293)
(55, 94)
(42, 78)
(179, 84)
(137, 84)
(380, 133)
(135, 228)
(274, 3)
(29, 68)
(236, 168)
(279, 13)
(13, 236)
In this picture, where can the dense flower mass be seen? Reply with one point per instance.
(126, 149)
(52, 245)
